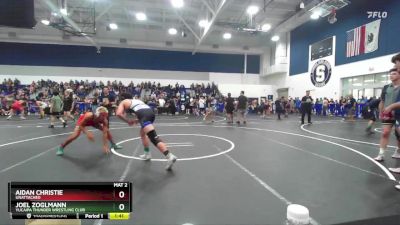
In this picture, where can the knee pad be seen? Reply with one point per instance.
(154, 137)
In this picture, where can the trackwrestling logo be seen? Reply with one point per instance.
(321, 73)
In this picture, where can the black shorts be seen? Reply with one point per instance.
(229, 109)
(55, 113)
(389, 122)
(372, 117)
(145, 117)
(67, 108)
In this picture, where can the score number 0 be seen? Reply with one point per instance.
(121, 206)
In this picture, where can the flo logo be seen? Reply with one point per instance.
(321, 73)
(377, 14)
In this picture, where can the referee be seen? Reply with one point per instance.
(306, 103)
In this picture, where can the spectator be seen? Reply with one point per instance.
(279, 107)
(241, 108)
(107, 100)
(56, 106)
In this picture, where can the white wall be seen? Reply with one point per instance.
(234, 78)
(251, 91)
(298, 84)
(234, 83)
(227, 82)
(27, 74)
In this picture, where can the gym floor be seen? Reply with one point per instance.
(227, 174)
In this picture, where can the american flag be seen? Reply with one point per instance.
(355, 41)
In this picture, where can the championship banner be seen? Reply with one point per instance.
(321, 61)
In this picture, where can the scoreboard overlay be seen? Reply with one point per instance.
(70, 200)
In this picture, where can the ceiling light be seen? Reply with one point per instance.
(266, 27)
(227, 36)
(275, 38)
(141, 16)
(64, 11)
(54, 14)
(203, 23)
(315, 15)
(45, 22)
(302, 5)
(172, 31)
(252, 10)
(177, 3)
(113, 26)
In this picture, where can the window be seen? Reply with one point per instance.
(369, 80)
(369, 92)
(347, 82)
(367, 85)
(381, 79)
(357, 82)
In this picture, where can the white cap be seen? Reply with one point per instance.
(298, 214)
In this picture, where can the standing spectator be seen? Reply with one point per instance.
(279, 107)
(351, 108)
(161, 105)
(56, 105)
(325, 105)
(370, 111)
(41, 104)
(241, 108)
(298, 104)
(94, 100)
(268, 108)
(107, 100)
(306, 103)
(68, 106)
(202, 105)
(261, 108)
(286, 106)
(210, 110)
(191, 104)
(172, 106)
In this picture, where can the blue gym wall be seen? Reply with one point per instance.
(124, 58)
(349, 17)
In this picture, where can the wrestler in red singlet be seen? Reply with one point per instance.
(97, 120)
